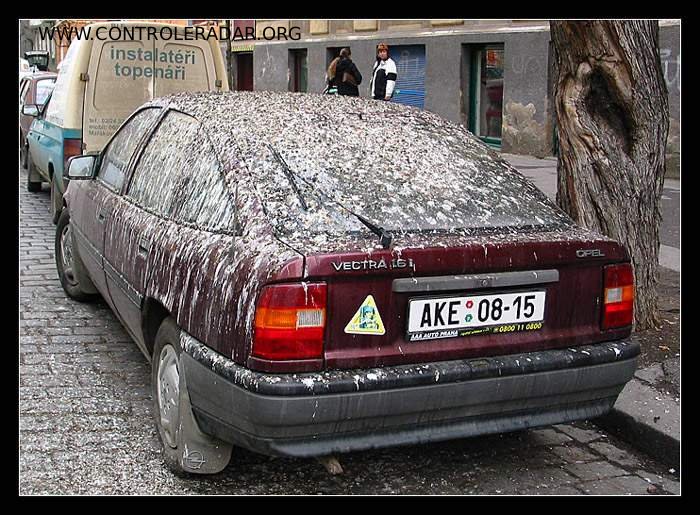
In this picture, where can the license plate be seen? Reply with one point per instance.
(451, 317)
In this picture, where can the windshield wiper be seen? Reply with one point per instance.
(385, 237)
(290, 176)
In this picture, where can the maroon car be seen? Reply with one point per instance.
(312, 274)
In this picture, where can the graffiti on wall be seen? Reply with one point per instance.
(671, 66)
(526, 63)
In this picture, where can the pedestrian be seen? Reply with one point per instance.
(384, 76)
(331, 85)
(347, 76)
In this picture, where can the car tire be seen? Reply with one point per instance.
(186, 449)
(71, 270)
(32, 186)
(56, 202)
(24, 152)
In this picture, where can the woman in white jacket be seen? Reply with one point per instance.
(383, 75)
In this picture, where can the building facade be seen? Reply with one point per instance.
(493, 76)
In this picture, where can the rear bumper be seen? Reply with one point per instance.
(339, 411)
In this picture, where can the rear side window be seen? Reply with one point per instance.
(116, 158)
(206, 200)
(179, 177)
(156, 173)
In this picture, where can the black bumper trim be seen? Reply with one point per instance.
(404, 376)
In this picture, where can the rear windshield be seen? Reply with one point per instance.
(404, 171)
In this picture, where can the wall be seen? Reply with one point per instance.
(528, 122)
(526, 129)
(669, 45)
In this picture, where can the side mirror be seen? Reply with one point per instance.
(30, 110)
(81, 167)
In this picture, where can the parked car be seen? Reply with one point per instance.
(24, 68)
(312, 274)
(38, 59)
(34, 89)
(101, 81)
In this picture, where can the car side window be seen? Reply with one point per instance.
(119, 151)
(205, 199)
(179, 176)
(156, 172)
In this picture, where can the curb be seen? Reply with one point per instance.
(648, 420)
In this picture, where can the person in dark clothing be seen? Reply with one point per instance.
(347, 76)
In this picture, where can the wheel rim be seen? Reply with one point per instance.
(168, 386)
(67, 254)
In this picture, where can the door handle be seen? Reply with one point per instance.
(144, 246)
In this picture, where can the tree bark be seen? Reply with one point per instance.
(612, 121)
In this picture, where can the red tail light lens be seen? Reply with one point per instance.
(289, 321)
(618, 296)
(71, 147)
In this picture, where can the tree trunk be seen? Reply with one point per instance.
(612, 121)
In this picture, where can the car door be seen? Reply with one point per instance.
(141, 215)
(93, 201)
(24, 120)
(37, 140)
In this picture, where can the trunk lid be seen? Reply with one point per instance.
(381, 283)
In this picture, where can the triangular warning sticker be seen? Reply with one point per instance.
(366, 319)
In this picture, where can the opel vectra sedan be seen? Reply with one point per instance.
(312, 274)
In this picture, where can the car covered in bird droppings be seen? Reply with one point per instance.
(315, 274)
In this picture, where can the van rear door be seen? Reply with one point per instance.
(119, 80)
(123, 74)
(183, 66)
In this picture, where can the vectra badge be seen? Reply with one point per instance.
(582, 253)
(371, 264)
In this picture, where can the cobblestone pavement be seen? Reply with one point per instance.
(85, 421)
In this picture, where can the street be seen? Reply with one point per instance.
(86, 420)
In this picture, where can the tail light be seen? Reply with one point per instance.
(618, 297)
(71, 147)
(289, 321)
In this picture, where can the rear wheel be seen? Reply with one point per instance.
(186, 449)
(68, 263)
(32, 184)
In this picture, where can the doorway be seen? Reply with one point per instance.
(244, 71)
(298, 80)
(486, 93)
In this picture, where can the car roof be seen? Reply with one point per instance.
(42, 75)
(257, 117)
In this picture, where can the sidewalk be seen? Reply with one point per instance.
(647, 412)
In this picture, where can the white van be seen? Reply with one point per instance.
(103, 79)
